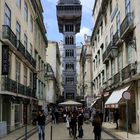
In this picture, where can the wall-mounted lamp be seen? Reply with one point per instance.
(132, 43)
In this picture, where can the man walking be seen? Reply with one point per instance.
(41, 125)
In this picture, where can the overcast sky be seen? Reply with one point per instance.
(50, 20)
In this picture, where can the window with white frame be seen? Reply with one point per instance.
(25, 12)
(7, 16)
(110, 4)
(18, 3)
(18, 65)
(118, 23)
(18, 30)
(25, 41)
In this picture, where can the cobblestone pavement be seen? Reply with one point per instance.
(60, 132)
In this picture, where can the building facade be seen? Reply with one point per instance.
(86, 72)
(54, 83)
(116, 57)
(22, 57)
(69, 20)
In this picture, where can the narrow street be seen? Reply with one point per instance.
(60, 132)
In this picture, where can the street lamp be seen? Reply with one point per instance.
(114, 51)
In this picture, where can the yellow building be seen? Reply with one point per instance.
(22, 59)
(116, 58)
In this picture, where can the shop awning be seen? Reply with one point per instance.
(94, 101)
(115, 97)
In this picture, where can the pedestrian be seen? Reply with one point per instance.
(80, 124)
(116, 118)
(41, 125)
(74, 124)
(101, 116)
(96, 123)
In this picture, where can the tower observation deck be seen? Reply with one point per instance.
(69, 14)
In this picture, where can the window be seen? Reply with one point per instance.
(31, 79)
(25, 41)
(18, 30)
(120, 60)
(101, 28)
(112, 67)
(69, 28)
(110, 6)
(111, 33)
(105, 16)
(17, 71)
(118, 23)
(127, 6)
(69, 53)
(69, 66)
(107, 71)
(18, 3)
(7, 16)
(69, 40)
(25, 12)
(103, 77)
(70, 80)
(31, 24)
(129, 53)
(31, 49)
(25, 75)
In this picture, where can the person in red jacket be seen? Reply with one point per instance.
(41, 125)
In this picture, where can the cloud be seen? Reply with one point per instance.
(83, 31)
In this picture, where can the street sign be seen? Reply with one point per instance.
(126, 95)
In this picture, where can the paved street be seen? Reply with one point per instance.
(61, 133)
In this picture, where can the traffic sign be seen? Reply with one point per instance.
(126, 95)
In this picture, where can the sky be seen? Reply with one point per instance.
(50, 20)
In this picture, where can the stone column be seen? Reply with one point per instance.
(12, 117)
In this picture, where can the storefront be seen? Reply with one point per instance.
(116, 101)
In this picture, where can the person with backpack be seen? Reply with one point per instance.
(96, 123)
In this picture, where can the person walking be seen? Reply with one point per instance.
(116, 118)
(41, 125)
(80, 124)
(97, 127)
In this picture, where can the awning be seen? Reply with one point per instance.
(70, 103)
(94, 101)
(115, 97)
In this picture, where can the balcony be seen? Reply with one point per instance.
(116, 38)
(8, 36)
(109, 52)
(128, 71)
(126, 25)
(20, 48)
(17, 88)
(116, 78)
(25, 53)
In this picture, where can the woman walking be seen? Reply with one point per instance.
(97, 127)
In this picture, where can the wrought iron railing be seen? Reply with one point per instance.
(20, 48)
(116, 78)
(126, 23)
(15, 87)
(7, 33)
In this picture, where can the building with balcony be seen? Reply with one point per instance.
(22, 57)
(54, 63)
(86, 71)
(69, 20)
(116, 57)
